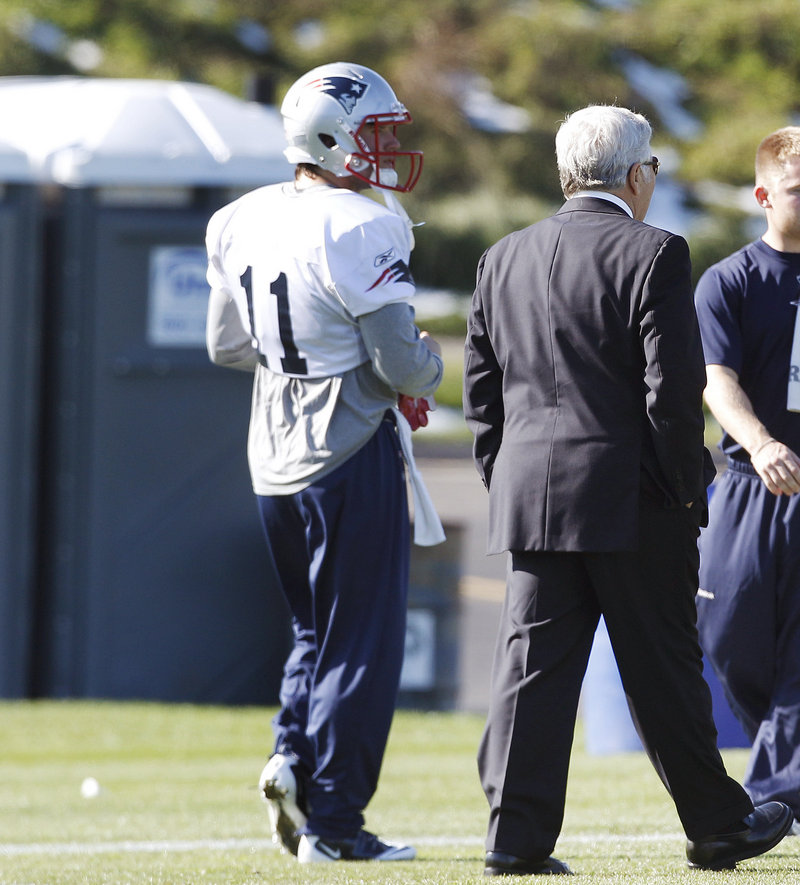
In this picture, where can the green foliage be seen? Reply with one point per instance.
(452, 325)
(738, 59)
(447, 259)
(449, 392)
(459, 228)
(716, 239)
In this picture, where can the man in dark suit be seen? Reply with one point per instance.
(583, 389)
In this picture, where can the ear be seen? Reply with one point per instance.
(635, 177)
(762, 196)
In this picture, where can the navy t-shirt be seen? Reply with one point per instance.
(746, 307)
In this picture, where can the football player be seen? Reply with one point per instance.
(311, 290)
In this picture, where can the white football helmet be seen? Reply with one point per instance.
(332, 117)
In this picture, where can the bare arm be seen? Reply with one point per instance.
(776, 464)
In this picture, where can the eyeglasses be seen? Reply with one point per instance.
(654, 162)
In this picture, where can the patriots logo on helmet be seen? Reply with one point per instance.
(397, 273)
(346, 91)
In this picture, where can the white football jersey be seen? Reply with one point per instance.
(302, 266)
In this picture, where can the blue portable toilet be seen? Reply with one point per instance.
(151, 579)
(20, 368)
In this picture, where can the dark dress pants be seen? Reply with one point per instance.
(552, 607)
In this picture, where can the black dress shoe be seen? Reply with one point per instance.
(498, 863)
(761, 830)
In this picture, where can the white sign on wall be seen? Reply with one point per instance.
(178, 297)
(419, 662)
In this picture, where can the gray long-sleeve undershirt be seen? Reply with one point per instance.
(302, 429)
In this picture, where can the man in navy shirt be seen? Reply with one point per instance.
(749, 598)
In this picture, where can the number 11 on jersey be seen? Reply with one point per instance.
(291, 361)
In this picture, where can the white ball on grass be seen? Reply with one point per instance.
(90, 788)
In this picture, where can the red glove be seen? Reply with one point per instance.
(414, 410)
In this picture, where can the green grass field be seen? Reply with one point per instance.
(178, 804)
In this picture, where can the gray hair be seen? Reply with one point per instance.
(596, 146)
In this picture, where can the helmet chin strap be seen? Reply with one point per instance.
(387, 176)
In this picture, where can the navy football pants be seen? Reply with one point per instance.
(341, 551)
(749, 623)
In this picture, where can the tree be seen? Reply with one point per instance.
(736, 59)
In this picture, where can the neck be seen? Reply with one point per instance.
(305, 178)
(781, 242)
(634, 201)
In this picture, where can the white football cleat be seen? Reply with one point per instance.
(279, 790)
(365, 846)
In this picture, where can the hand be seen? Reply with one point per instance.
(778, 467)
(414, 410)
(432, 343)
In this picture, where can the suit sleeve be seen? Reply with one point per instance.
(674, 371)
(483, 386)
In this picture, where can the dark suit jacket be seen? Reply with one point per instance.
(583, 380)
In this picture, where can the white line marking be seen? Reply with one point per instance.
(253, 845)
(10, 850)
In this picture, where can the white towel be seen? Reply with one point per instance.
(428, 529)
(793, 391)
(394, 205)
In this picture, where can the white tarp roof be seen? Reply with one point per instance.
(90, 131)
(14, 164)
